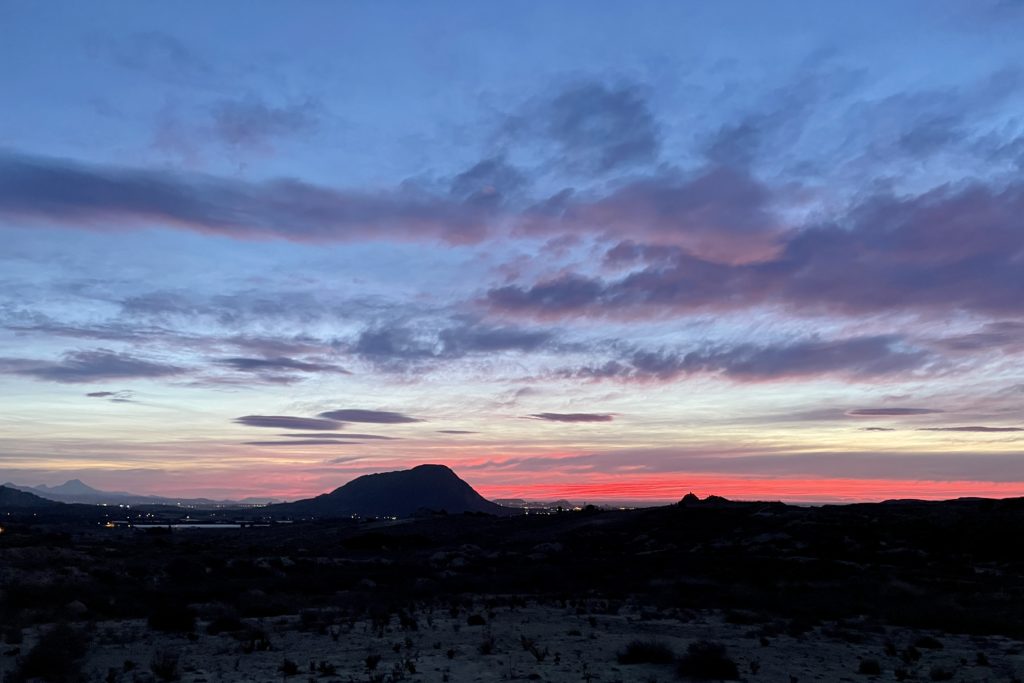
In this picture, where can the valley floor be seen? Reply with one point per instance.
(569, 643)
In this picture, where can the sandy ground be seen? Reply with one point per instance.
(579, 647)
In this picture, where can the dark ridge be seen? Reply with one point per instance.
(402, 493)
(13, 499)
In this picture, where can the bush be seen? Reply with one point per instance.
(530, 645)
(475, 620)
(646, 652)
(288, 668)
(707, 661)
(928, 643)
(172, 618)
(869, 667)
(56, 658)
(164, 665)
(486, 646)
(225, 623)
(940, 673)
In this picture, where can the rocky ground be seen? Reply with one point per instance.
(533, 642)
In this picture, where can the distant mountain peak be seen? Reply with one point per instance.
(71, 487)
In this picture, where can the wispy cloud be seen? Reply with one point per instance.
(891, 412)
(372, 416)
(859, 358)
(573, 417)
(288, 422)
(77, 367)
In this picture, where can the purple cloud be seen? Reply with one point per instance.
(573, 417)
(343, 436)
(99, 197)
(946, 250)
(300, 442)
(600, 127)
(123, 396)
(371, 416)
(857, 358)
(89, 366)
(278, 364)
(890, 412)
(288, 422)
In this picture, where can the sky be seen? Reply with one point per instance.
(586, 250)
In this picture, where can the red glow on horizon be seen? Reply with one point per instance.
(740, 488)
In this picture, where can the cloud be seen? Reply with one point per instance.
(372, 416)
(573, 417)
(300, 442)
(287, 422)
(252, 123)
(489, 182)
(397, 346)
(858, 358)
(971, 428)
(343, 436)
(342, 460)
(123, 396)
(455, 431)
(89, 366)
(108, 198)
(891, 412)
(1002, 334)
(279, 363)
(718, 213)
(950, 249)
(595, 127)
(459, 341)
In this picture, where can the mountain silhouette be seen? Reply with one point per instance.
(11, 498)
(399, 494)
(72, 487)
(77, 491)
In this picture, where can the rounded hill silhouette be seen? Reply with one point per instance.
(400, 494)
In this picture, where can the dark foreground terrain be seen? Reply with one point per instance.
(702, 590)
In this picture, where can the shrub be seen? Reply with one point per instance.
(940, 673)
(164, 665)
(869, 667)
(646, 652)
(56, 658)
(475, 620)
(172, 618)
(707, 661)
(224, 623)
(911, 655)
(486, 646)
(530, 645)
(928, 643)
(288, 668)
